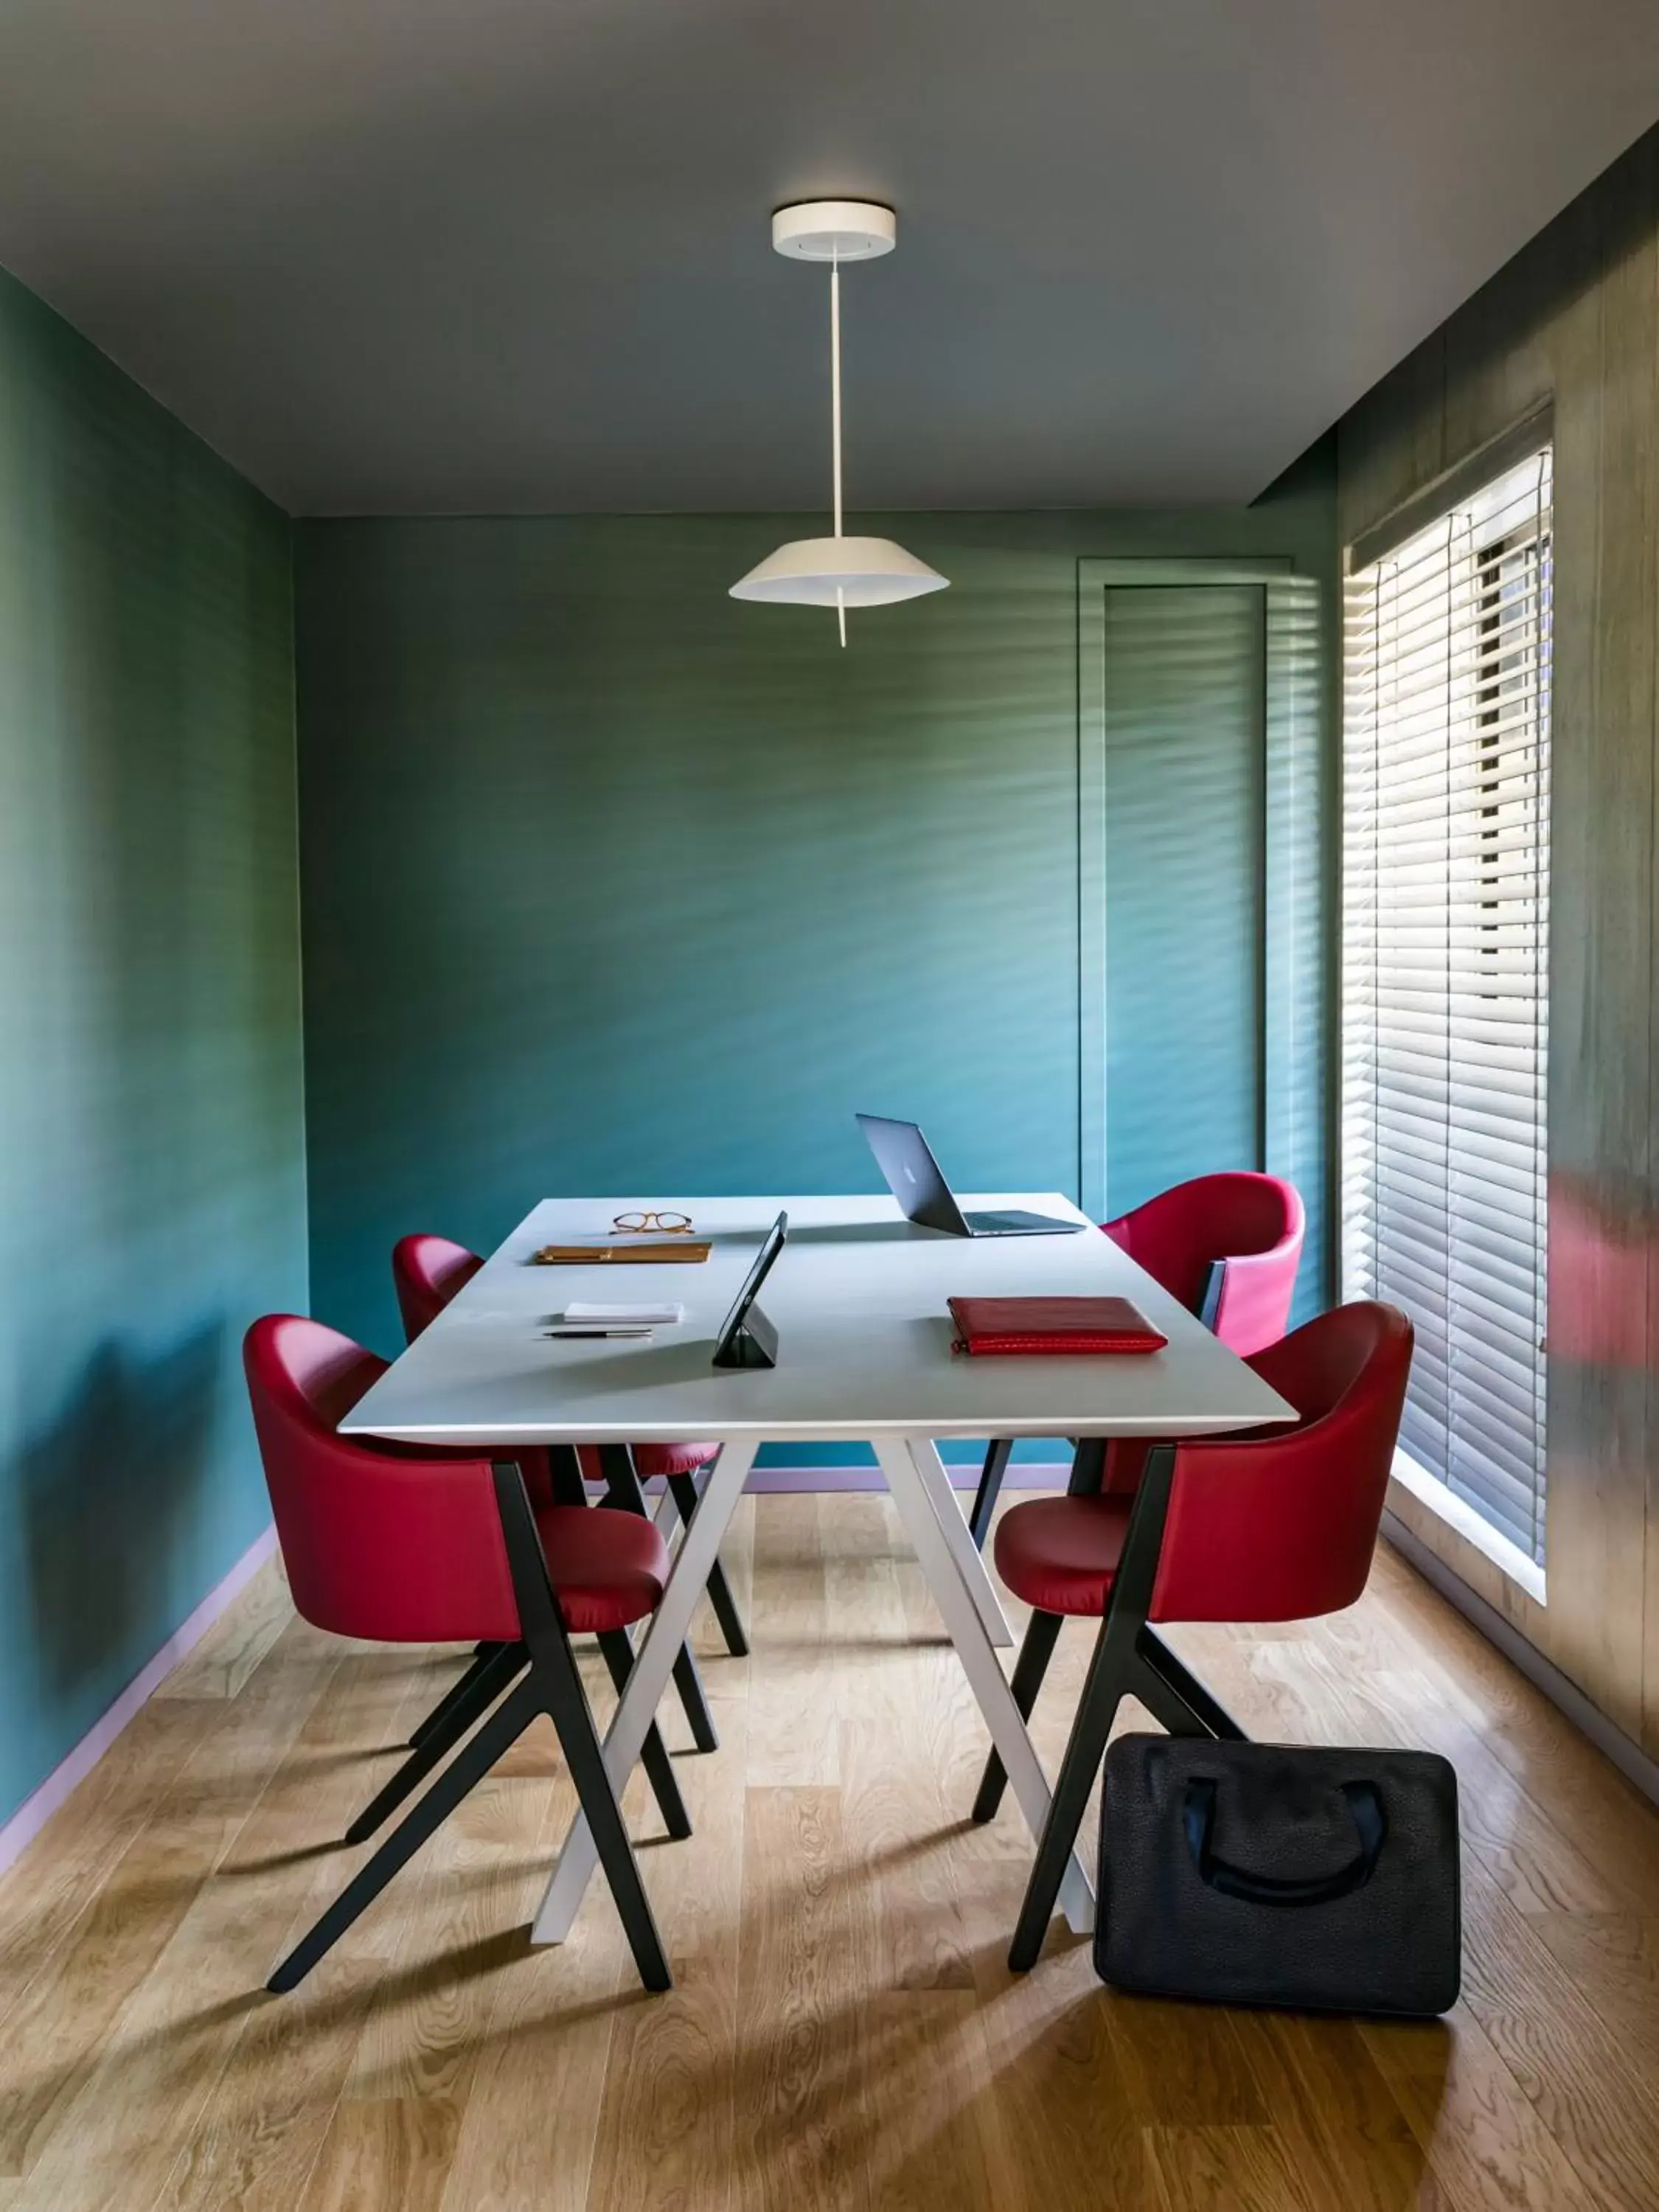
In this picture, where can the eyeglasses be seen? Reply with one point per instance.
(667, 1224)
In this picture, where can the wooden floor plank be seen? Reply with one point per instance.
(58, 1878)
(531, 2117)
(260, 2134)
(789, 1733)
(532, 2120)
(64, 2022)
(1599, 2098)
(63, 2019)
(1485, 2143)
(1615, 1955)
(1247, 2169)
(237, 1642)
(799, 2099)
(893, 1808)
(1333, 2107)
(1548, 1758)
(1187, 2065)
(665, 2126)
(844, 2032)
(1059, 2107)
(155, 2079)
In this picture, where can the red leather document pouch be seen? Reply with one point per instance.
(1036, 1328)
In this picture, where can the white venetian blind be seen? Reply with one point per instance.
(1445, 929)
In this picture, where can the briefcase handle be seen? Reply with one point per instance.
(1198, 1817)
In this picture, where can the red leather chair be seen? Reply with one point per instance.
(402, 1546)
(1228, 1246)
(1275, 1525)
(427, 1272)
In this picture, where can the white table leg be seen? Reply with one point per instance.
(953, 1524)
(653, 1666)
(905, 1461)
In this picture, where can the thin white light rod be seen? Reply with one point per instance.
(834, 410)
(834, 375)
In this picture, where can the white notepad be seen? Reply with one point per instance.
(663, 1314)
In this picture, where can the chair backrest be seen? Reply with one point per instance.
(426, 1272)
(1281, 1524)
(1251, 1225)
(385, 1541)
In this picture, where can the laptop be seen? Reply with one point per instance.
(906, 1158)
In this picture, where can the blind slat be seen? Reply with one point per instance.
(1445, 952)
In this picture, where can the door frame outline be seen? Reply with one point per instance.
(1291, 1072)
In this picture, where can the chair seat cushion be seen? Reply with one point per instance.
(1061, 1554)
(652, 1460)
(608, 1567)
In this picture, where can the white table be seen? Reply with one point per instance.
(859, 1301)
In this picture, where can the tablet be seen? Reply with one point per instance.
(736, 1345)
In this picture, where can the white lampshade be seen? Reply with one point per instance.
(839, 572)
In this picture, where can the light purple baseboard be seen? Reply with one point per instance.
(36, 1809)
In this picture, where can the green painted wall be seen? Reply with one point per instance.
(611, 882)
(1185, 746)
(152, 1186)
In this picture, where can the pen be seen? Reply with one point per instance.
(596, 1332)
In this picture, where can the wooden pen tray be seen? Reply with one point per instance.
(634, 1251)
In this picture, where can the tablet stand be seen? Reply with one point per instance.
(753, 1344)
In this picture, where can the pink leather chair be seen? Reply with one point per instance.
(396, 1545)
(1228, 1246)
(1279, 1524)
(427, 1273)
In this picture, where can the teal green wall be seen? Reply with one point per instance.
(1184, 741)
(611, 883)
(608, 882)
(152, 1191)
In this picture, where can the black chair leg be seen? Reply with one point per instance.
(553, 1686)
(695, 1701)
(561, 1690)
(683, 1490)
(468, 1768)
(998, 1453)
(1042, 1633)
(1201, 1707)
(1088, 1468)
(553, 1673)
(482, 1684)
(619, 1652)
(459, 1692)
(1103, 1693)
(624, 1489)
(1175, 1698)
(1116, 1669)
(568, 1488)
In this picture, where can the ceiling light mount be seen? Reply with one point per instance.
(834, 230)
(839, 572)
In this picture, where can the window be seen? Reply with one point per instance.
(1445, 929)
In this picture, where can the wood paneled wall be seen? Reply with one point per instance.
(1574, 318)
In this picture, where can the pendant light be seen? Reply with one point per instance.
(839, 572)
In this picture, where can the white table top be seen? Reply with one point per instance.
(858, 1297)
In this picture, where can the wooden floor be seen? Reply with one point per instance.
(844, 2032)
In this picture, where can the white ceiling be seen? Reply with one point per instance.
(398, 256)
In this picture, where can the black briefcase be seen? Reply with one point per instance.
(1262, 1874)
